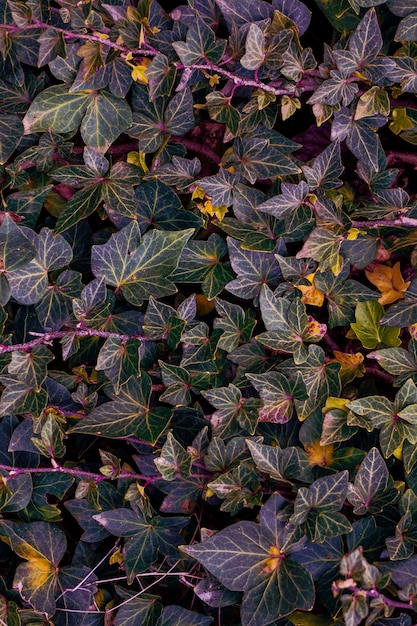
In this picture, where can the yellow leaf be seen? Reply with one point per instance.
(139, 72)
(353, 234)
(214, 80)
(388, 281)
(314, 330)
(36, 572)
(351, 366)
(335, 403)
(311, 295)
(320, 455)
(400, 121)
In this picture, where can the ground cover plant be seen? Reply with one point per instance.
(208, 305)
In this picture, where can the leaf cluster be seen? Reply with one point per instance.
(208, 313)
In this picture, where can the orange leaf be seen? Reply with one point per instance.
(388, 280)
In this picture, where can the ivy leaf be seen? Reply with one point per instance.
(277, 395)
(119, 360)
(255, 53)
(105, 119)
(147, 536)
(389, 282)
(399, 362)
(173, 615)
(56, 108)
(253, 558)
(174, 460)
(30, 283)
(256, 158)
(368, 330)
(397, 421)
(253, 268)
(403, 313)
(283, 464)
(325, 171)
(201, 44)
(370, 491)
(236, 324)
(132, 267)
(366, 41)
(158, 205)
(31, 367)
(42, 545)
(288, 326)
(11, 132)
(291, 197)
(234, 413)
(161, 76)
(407, 28)
(200, 262)
(127, 414)
(316, 510)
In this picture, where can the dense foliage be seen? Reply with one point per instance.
(208, 348)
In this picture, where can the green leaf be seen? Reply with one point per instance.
(158, 205)
(234, 413)
(256, 158)
(147, 536)
(327, 167)
(127, 414)
(253, 558)
(369, 493)
(16, 250)
(161, 76)
(200, 45)
(173, 615)
(277, 394)
(31, 367)
(56, 108)
(399, 362)
(200, 262)
(82, 204)
(174, 460)
(283, 464)
(119, 360)
(145, 610)
(253, 268)
(42, 545)
(106, 117)
(11, 132)
(133, 267)
(255, 53)
(316, 509)
(368, 330)
(236, 324)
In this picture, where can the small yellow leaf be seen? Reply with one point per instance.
(116, 557)
(388, 281)
(353, 234)
(314, 330)
(214, 80)
(139, 72)
(400, 121)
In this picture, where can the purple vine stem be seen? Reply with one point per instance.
(77, 473)
(399, 221)
(60, 334)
